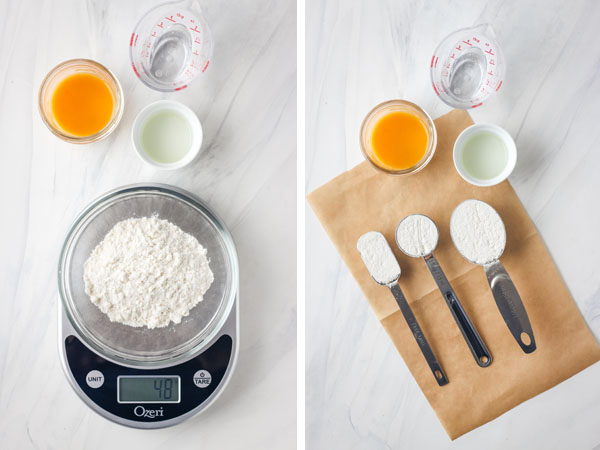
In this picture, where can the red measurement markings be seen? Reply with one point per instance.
(154, 34)
(205, 67)
(195, 29)
(192, 21)
(499, 86)
(459, 48)
(432, 59)
(490, 52)
(181, 87)
(160, 25)
(170, 18)
(476, 40)
(435, 64)
(135, 70)
(179, 15)
(468, 42)
(135, 42)
(131, 40)
(435, 89)
(492, 62)
(491, 73)
(452, 56)
(478, 104)
(197, 40)
(195, 53)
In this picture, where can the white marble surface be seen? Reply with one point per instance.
(359, 392)
(247, 104)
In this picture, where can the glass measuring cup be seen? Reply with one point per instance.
(171, 45)
(467, 67)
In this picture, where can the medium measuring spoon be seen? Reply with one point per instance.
(417, 236)
(385, 270)
(479, 236)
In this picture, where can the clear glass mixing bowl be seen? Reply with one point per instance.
(140, 346)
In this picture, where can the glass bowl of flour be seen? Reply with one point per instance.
(142, 346)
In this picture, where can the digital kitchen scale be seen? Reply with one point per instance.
(135, 376)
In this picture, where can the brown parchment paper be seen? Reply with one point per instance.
(363, 199)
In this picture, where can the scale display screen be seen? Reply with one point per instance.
(148, 389)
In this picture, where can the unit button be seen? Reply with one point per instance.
(94, 379)
(202, 378)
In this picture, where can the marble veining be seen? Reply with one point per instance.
(246, 102)
(359, 392)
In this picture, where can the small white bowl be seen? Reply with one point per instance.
(506, 139)
(167, 105)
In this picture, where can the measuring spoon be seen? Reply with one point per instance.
(385, 270)
(425, 233)
(483, 244)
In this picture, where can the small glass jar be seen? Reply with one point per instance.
(381, 110)
(62, 71)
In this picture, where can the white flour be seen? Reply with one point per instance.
(478, 231)
(417, 235)
(378, 257)
(147, 272)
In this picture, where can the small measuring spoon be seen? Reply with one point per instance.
(484, 245)
(385, 270)
(427, 239)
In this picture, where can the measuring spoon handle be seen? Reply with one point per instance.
(411, 320)
(510, 305)
(482, 355)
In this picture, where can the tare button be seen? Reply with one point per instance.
(202, 379)
(94, 379)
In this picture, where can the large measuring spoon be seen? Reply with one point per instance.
(417, 236)
(171, 45)
(479, 235)
(385, 270)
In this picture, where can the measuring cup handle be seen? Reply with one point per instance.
(510, 305)
(482, 355)
(411, 320)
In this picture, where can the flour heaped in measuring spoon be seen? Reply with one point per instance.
(478, 232)
(378, 257)
(147, 272)
(417, 235)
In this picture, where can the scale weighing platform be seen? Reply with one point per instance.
(135, 376)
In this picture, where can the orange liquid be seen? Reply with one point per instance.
(399, 140)
(82, 104)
